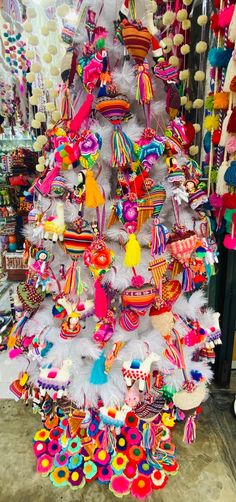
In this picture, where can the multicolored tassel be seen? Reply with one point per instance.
(190, 430)
(122, 148)
(144, 92)
(159, 238)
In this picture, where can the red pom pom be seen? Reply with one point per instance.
(199, 410)
(216, 137)
(190, 132)
(215, 23)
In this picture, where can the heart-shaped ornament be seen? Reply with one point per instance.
(76, 243)
(137, 40)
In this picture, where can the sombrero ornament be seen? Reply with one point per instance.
(181, 245)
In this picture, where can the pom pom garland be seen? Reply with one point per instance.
(30, 77)
(186, 24)
(198, 103)
(201, 47)
(47, 58)
(202, 20)
(168, 18)
(185, 49)
(183, 100)
(178, 39)
(36, 124)
(27, 27)
(181, 15)
(199, 76)
(184, 75)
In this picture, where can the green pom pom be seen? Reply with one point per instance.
(209, 103)
(100, 44)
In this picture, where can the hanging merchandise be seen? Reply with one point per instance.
(113, 325)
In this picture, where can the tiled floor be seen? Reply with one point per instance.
(207, 469)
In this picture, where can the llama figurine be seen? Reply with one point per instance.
(135, 370)
(54, 227)
(55, 378)
(213, 336)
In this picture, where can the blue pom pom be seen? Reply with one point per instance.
(196, 375)
(207, 142)
(230, 175)
(219, 57)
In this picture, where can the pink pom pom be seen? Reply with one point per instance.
(231, 145)
(216, 200)
(230, 242)
(137, 281)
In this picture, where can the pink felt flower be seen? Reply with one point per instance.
(120, 486)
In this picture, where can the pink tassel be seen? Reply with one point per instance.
(82, 114)
(46, 184)
(190, 430)
(159, 238)
(100, 300)
(15, 353)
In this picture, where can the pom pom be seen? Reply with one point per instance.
(47, 58)
(40, 116)
(198, 103)
(63, 10)
(229, 242)
(31, 13)
(54, 71)
(184, 75)
(197, 127)
(56, 116)
(209, 102)
(193, 150)
(53, 93)
(36, 124)
(201, 47)
(188, 105)
(199, 76)
(216, 137)
(36, 67)
(221, 186)
(50, 107)
(183, 100)
(37, 147)
(174, 60)
(132, 252)
(231, 145)
(187, 2)
(44, 31)
(39, 167)
(211, 122)
(231, 127)
(168, 18)
(52, 49)
(42, 139)
(202, 20)
(168, 44)
(33, 40)
(178, 39)
(30, 55)
(27, 27)
(37, 92)
(186, 25)
(185, 49)
(30, 77)
(221, 100)
(48, 83)
(219, 57)
(33, 100)
(182, 14)
(52, 25)
(41, 160)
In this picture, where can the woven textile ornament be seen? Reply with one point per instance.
(181, 245)
(75, 244)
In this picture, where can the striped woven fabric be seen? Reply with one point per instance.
(137, 41)
(76, 243)
(139, 299)
(183, 248)
(165, 71)
(113, 109)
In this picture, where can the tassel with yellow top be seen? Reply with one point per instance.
(93, 194)
(144, 92)
(132, 252)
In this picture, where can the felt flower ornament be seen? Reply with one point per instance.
(41, 435)
(44, 464)
(145, 468)
(54, 447)
(60, 476)
(133, 436)
(39, 448)
(61, 459)
(121, 443)
(104, 474)
(66, 155)
(131, 419)
(93, 427)
(75, 461)
(136, 453)
(119, 486)
(64, 440)
(119, 462)
(141, 487)
(130, 470)
(90, 470)
(101, 457)
(76, 479)
(159, 479)
(74, 445)
(55, 433)
(89, 144)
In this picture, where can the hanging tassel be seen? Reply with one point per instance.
(132, 252)
(149, 436)
(93, 195)
(44, 186)
(82, 114)
(187, 280)
(224, 134)
(16, 331)
(100, 300)
(122, 148)
(144, 92)
(159, 238)
(190, 430)
(98, 375)
(221, 185)
(71, 280)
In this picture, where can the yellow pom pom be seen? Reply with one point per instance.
(184, 75)
(187, 2)
(198, 103)
(202, 20)
(52, 25)
(42, 139)
(185, 49)
(201, 47)
(183, 100)
(48, 83)
(39, 167)
(31, 12)
(30, 77)
(132, 252)
(63, 10)
(56, 115)
(40, 116)
(189, 105)
(36, 67)
(168, 18)
(168, 43)
(182, 14)
(50, 107)
(44, 31)
(30, 55)
(197, 127)
(52, 49)
(199, 76)
(211, 122)
(53, 93)
(33, 100)
(47, 58)
(174, 60)
(178, 39)
(186, 25)
(36, 124)
(36, 91)
(54, 70)
(41, 160)
(193, 150)
(27, 27)
(33, 40)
